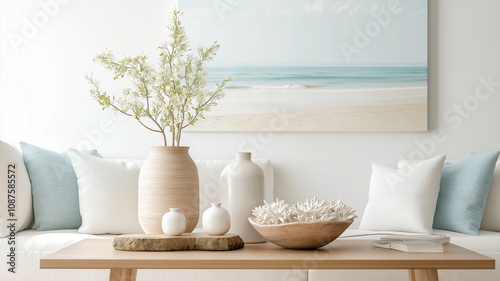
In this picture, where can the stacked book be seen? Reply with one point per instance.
(432, 243)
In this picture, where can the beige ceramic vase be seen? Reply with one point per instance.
(168, 179)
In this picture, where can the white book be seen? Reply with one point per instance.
(413, 243)
(417, 246)
(436, 238)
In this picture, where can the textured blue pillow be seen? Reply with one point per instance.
(463, 192)
(54, 188)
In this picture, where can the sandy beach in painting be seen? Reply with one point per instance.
(298, 108)
(309, 63)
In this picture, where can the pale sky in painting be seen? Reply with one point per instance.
(310, 33)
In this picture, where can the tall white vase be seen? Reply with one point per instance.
(241, 190)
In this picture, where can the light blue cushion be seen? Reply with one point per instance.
(54, 188)
(463, 192)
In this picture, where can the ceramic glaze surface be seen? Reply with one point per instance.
(174, 222)
(216, 220)
(242, 189)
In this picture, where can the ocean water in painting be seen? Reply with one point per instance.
(311, 77)
(341, 65)
(321, 98)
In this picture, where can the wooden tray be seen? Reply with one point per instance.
(186, 241)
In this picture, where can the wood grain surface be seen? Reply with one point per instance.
(186, 241)
(340, 254)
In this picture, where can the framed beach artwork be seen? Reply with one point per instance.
(319, 65)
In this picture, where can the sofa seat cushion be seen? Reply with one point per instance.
(33, 241)
(31, 245)
(485, 242)
(49, 241)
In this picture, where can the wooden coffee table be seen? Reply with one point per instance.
(341, 254)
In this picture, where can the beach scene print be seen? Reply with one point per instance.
(341, 65)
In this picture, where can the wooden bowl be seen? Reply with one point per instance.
(302, 235)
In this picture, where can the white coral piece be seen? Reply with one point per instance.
(278, 212)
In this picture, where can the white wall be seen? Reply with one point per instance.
(45, 100)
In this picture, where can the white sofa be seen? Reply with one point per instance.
(33, 244)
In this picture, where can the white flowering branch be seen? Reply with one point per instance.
(170, 97)
(278, 212)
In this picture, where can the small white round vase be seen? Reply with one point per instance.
(216, 220)
(173, 223)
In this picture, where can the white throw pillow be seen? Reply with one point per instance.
(20, 204)
(108, 194)
(491, 216)
(403, 198)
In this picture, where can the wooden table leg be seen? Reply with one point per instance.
(423, 274)
(122, 274)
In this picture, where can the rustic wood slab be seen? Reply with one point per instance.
(186, 241)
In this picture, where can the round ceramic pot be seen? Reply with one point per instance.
(173, 223)
(216, 220)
